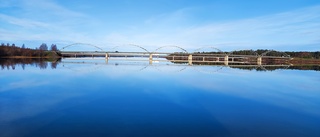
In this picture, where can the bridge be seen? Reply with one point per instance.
(182, 56)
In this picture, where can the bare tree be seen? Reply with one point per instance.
(43, 46)
(54, 47)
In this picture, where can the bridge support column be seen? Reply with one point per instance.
(150, 59)
(107, 58)
(190, 59)
(226, 60)
(259, 60)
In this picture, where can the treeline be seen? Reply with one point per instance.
(11, 50)
(293, 54)
(304, 54)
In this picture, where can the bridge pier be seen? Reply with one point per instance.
(107, 56)
(226, 60)
(190, 59)
(150, 58)
(259, 60)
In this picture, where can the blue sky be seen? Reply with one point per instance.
(227, 25)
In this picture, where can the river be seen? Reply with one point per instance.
(92, 98)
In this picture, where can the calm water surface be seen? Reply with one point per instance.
(118, 99)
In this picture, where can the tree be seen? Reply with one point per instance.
(54, 47)
(43, 46)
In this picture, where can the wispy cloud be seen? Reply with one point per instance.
(299, 27)
(48, 7)
(23, 22)
(49, 21)
(7, 3)
(43, 21)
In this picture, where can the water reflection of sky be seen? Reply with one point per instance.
(164, 100)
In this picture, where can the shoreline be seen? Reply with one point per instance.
(28, 57)
(294, 61)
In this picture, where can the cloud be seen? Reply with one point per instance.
(48, 7)
(298, 27)
(49, 21)
(7, 3)
(23, 22)
(42, 21)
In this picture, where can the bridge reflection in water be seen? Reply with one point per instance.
(99, 63)
(74, 63)
(190, 58)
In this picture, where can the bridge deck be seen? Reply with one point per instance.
(158, 54)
